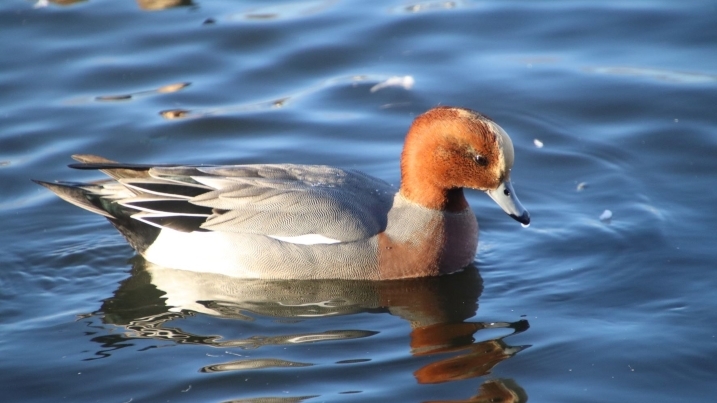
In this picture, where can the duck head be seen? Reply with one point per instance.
(448, 149)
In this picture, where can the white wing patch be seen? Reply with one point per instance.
(215, 182)
(306, 239)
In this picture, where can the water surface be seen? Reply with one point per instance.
(619, 96)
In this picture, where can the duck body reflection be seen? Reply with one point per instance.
(157, 302)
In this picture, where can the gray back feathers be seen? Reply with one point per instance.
(292, 200)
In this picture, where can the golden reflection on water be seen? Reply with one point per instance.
(153, 5)
(374, 83)
(65, 2)
(148, 5)
(472, 360)
(165, 89)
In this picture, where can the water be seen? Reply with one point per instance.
(572, 309)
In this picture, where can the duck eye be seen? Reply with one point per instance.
(481, 160)
(506, 192)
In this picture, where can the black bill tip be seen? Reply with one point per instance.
(523, 218)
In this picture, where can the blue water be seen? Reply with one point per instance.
(620, 97)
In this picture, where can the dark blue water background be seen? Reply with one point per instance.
(621, 95)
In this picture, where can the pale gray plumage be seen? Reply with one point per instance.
(292, 200)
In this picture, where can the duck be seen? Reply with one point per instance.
(288, 221)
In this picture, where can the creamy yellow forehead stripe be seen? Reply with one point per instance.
(505, 144)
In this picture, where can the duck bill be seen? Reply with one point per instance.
(505, 196)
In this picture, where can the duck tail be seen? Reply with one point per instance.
(88, 196)
(79, 194)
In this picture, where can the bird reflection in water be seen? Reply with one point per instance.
(147, 303)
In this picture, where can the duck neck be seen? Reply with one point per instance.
(433, 197)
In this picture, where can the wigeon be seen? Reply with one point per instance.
(286, 221)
